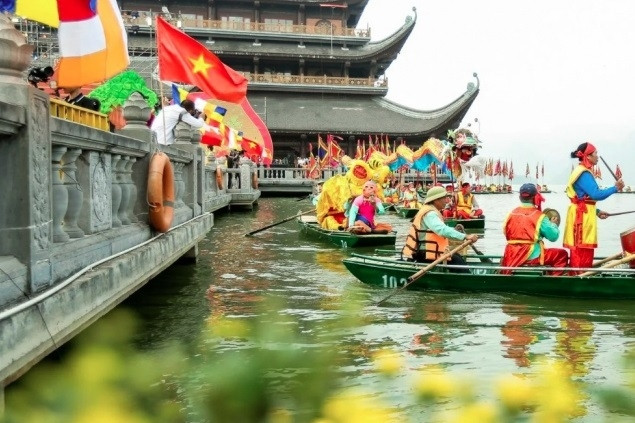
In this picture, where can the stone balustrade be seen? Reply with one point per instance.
(74, 211)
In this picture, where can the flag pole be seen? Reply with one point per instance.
(165, 132)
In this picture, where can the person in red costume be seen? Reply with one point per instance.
(466, 205)
(524, 229)
(580, 230)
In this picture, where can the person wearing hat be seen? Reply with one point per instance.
(466, 205)
(428, 236)
(410, 197)
(524, 229)
(580, 229)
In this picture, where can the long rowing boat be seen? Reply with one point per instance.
(344, 239)
(406, 212)
(391, 272)
(477, 223)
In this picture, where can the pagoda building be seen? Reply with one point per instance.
(311, 71)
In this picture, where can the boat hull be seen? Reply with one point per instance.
(467, 223)
(392, 273)
(345, 239)
(406, 212)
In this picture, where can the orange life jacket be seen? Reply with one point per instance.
(424, 240)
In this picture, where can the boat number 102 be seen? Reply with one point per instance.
(393, 282)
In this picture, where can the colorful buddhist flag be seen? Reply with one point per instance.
(92, 39)
(183, 59)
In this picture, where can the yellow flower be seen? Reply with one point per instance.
(481, 412)
(280, 415)
(387, 362)
(432, 383)
(351, 406)
(514, 392)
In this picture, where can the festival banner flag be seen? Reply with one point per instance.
(537, 174)
(511, 171)
(183, 59)
(322, 152)
(618, 172)
(497, 169)
(527, 171)
(542, 170)
(505, 171)
(358, 152)
(335, 152)
(93, 43)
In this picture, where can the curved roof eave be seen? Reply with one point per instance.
(344, 115)
(372, 50)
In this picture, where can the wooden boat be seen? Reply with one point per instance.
(406, 212)
(391, 272)
(344, 239)
(478, 223)
(388, 206)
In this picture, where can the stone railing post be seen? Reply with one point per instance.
(25, 154)
(182, 133)
(75, 193)
(60, 194)
(95, 177)
(116, 191)
(221, 163)
(137, 113)
(245, 166)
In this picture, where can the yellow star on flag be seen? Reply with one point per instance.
(200, 65)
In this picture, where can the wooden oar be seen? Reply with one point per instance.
(619, 213)
(480, 253)
(607, 259)
(277, 223)
(420, 273)
(610, 170)
(623, 260)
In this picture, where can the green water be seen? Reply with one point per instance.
(478, 335)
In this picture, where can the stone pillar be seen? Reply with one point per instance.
(115, 191)
(121, 181)
(182, 133)
(245, 166)
(75, 193)
(60, 194)
(95, 177)
(221, 163)
(25, 160)
(137, 113)
(132, 188)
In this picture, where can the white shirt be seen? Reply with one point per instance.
(165, 135)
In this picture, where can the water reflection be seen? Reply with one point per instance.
(518, 334)
(479, 335)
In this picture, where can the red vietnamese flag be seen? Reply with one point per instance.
(183, 59)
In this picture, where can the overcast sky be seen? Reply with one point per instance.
(553, 74)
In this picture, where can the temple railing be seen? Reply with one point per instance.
(147, 20)
(314, 79)
(67, 111)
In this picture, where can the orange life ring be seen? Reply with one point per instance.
(219, 178)
(254, 180)
(161, 192)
